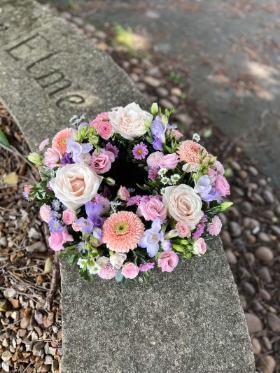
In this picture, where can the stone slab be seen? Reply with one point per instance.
(188, 321)
(50, 71)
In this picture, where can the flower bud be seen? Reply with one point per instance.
(109, 181)
(225, 205)
(154, 108)
(35, 158)
(171, 234)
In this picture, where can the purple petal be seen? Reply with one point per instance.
(157, 145)
(93, 210)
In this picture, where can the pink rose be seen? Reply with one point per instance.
(56, 240)
(167, 261)
(222, 186)
(51, 158)
(76, 227)
(199, 247)
(68, 216)
(169, 161)
(103, 126)
(152, 209)
(123, 193)
(154, 158)
(130, 270)
(183, 230)
(45, 213)
(101, 162)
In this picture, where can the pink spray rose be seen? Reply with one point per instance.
(103, 126)
(152, 209)
(56, 240)
(123, 193)
(68, 216)
(101, 162)
(222, 186)
(76, 227)
(183, 230)
(167, 261)
(51, 158)
(169, 161)
(45, 213)
(130, 270)
(199, 247)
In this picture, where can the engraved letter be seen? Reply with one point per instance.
(28, 68)
(72, 99)
(23, 48)
(60, 78)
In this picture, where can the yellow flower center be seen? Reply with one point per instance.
(154, 237)
(140, 151)
(121, 228)
(64, 140)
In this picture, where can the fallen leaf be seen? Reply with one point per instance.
(48, 265)
(11, 178)
(3, 138)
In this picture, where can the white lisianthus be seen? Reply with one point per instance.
(75, 184)
(183, 204)
(129, 121)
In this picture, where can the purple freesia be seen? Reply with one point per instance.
(152, 237)
(158, 128)
(85, 224)
(166, 245)
(93, 211)
(67, 159)
(77, 149)
(206, 190)
(157, 144)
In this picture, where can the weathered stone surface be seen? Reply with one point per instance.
(49, 71)
(187, 321)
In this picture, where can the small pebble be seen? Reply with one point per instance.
(257, 306)
(243, 272)
(275, 229)
(256, 346)
(243, 302)
(264, 253)
(253, 170)
(233, 212)
(65, 15)
(176, 92)
(25, 322)
(33, 234)
(162, 92)
(165, 103)
(250, 223)
(264, 237)
(250, 239)
(246, 207)
(265, 295)
(264, 274)
(267, 214)
(273, 322)
(262, 182)
(258, 199)
(243, 174)
(185, 119)
(267, 364)
(267, 343)
(89, 28)
(253, 322)
(249, 288)
(223, 218)
(235, 166)
(152, 82)
(238, 192)
(268, 196)
(231, 258)
(37, 246)
(78, 21)
(235, 229)
(3, 241)
(141, 86)
(225, 237)
(101, 35)
(250, 258)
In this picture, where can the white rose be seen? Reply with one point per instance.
(75, 184)
(183, 204)
(129, 121)
(117, 260)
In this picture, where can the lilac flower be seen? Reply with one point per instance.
(67, 159)
(77, 149)
(56, 226)
(55, 215)
(157, 144)
(158, 128)
(146, 267)
(56, 204)
(85, 224)
(153, 173)
(93, 211)
(199, 230)
(140, 151)
(83, 247)
(152, 237)
(205, 189)
(111, 148)
(97, 233)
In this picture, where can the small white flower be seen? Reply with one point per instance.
(82, 263)
(165, 180)
(162, 191)
(114, 205)
(175, 178)
(93, 267)
(162, 171)
(196, 137)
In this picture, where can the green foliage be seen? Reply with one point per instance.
(3, 139)
(176, 78)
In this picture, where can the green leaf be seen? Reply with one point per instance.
(3, 139)
(125, 283)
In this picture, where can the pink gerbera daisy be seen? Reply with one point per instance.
(122, 231)
(190, 151)
(59, 142)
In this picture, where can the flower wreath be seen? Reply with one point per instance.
(121, 194)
